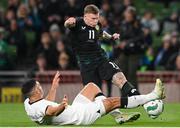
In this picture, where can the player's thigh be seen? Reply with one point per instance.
(81, 99)
(90, 91)
(107, 69)
(91, 76)
(93, 111)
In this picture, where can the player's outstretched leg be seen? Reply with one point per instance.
(93, 93)
(134, 101)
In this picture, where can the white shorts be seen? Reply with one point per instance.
(88, 111)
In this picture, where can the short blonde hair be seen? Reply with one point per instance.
(91, 9)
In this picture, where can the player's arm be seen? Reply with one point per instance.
(70, 22)
(108, 36)
(55, 111)
(55, 83)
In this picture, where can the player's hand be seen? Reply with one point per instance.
(70, 22)
(56, 80)
(65, 101)
(115, 36)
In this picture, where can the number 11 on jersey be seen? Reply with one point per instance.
(91, 34)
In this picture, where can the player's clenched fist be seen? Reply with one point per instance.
(115, 36)
(70, 22)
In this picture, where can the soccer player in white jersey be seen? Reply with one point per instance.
(89, 105)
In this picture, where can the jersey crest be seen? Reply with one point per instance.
(97, 27)
(83, 27)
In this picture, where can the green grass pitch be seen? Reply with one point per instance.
(14, 115)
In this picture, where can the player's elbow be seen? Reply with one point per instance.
(51, 111)
(55, 111)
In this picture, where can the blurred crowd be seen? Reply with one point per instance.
(32, 35)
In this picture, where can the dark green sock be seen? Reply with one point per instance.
(129, 90)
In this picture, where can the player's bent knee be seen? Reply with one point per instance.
(119, 79)
(92, 86)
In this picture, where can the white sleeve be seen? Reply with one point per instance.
(37, 110)
(41, 107)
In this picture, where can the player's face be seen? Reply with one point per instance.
(91, 19)
(39, 89)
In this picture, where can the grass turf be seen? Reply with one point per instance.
(14, 115)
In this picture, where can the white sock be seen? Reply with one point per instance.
(114, 112)
(135, 101)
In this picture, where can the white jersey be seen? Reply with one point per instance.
(82, 111)
(36, 112)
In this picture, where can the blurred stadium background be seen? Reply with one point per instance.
(34, 44)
